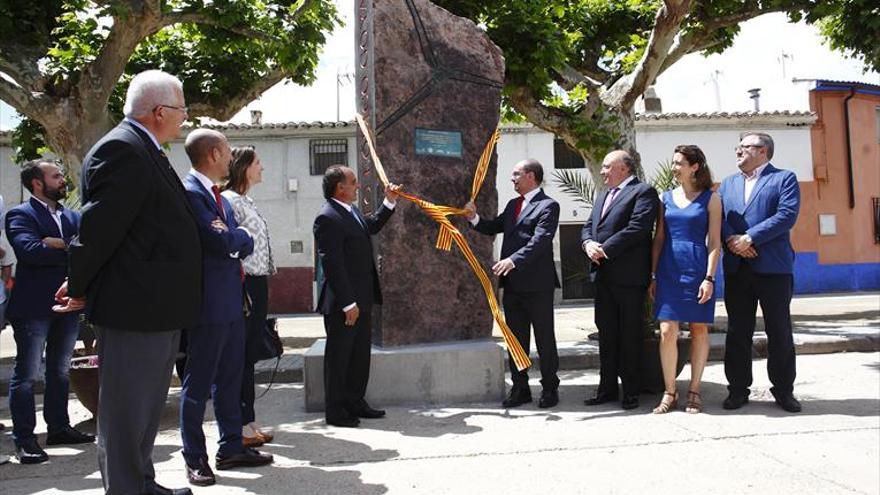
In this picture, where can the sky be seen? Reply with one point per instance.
(768, 54)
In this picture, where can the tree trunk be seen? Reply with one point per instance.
(72, 132)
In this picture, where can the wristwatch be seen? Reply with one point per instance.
(709, 278)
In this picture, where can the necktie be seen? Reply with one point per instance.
(517, 208)
(609, 200)
(357, 217)
(216, 191)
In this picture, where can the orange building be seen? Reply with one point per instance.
(837, 236)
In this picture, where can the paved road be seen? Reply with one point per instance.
(832, 447)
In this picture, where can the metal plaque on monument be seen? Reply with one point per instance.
(428, 84)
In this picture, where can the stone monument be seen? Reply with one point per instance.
(429, 85)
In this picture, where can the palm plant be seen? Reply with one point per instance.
(575, 184)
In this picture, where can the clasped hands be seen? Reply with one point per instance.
(502, 267)
(594, 251)
(740, 245)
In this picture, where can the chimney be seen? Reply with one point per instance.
(256, 117)
(755, 94)
(652, 101)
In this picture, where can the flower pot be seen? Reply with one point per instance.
(84, 382)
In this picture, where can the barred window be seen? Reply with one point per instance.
(326, 152)
(565, 157)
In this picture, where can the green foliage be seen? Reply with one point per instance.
(855, 29)
(27, 141)
(224, 50)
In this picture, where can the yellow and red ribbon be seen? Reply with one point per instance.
(449, 234)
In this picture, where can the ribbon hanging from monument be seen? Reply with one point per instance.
(449, 234)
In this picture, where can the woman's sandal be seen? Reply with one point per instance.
(669, 401)
(695, 403)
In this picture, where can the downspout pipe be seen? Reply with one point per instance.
(849, 152)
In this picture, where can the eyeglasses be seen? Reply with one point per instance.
(741, 146)
(181, 109)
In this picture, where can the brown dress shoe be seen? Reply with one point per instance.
(254, 441)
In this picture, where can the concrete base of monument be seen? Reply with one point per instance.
(425, 374)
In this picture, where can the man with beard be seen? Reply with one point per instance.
(40, 231)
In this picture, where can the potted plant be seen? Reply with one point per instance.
(580, 187)
(83, 373)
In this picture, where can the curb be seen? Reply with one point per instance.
(585, 355)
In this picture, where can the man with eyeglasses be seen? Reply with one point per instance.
(137, 269)
(761, 206)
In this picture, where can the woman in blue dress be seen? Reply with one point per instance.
(687, 245)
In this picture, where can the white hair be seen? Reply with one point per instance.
(148, 90)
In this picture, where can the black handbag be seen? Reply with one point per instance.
(270, 346)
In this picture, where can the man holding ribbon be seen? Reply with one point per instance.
(528, 276)
(617, 239)
(348, 292)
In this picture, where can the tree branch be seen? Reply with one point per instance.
(696, 41)
(129, 29)
(14, 95)
(569, 77)
(667, 24)
(201, 17)
(232, 104)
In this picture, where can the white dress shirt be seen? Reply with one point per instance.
(749, 180)
(348, 208)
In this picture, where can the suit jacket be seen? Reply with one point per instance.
(625, 234)
(41, 269)
(138, 257)
(767, 218)
(345, 251)
(528, 242)
(221, 273)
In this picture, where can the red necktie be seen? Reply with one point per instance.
(517, 208)
(216, 191)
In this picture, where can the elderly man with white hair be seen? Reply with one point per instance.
(136, 268)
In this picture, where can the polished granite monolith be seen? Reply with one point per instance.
(429, 85)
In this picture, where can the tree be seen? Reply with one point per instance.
(65, 64)
(576, 67)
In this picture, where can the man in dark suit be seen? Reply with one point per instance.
(761, 206)
(348, 293)
(528, 276)
(617, 239)
(215, 346)
(39, 231)
(136, 266)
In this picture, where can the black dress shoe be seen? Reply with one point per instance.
(349, 422)
(248, 458)
(735, 401)
(788, 403)
(630, 402)
(600, 398)
(200, 474)
(549, 398)
(68, 435)
(29, 452)
(369, 413)
(517, 397)
(161, 490)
